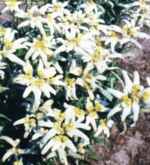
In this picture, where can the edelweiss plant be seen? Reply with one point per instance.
(59, 62)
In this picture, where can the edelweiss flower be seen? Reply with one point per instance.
(33, 17)
(29, 123)
(53, 25)
(42, 83)
(15, 150)
(59, 144)
(112, 37)
(89, 81)
(11, 45)
(104, 127)
(92, 109)
(70, 83)
(78, 42)
(98, 59)
(56, 8)
(94, 23)
(131, 32)
(129, 98)
(40, 48)
(74, 113)
(60, 133)
(73, 22)
(64, 125)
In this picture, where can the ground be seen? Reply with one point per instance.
(130, 148)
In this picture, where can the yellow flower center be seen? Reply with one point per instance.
(58, 128)
(17, 162)
(69, 127)
(127, 101)
(8, 44)
(39, 115)
(11, 3)
(103, 123)
(79, 113)
(59, 116)
(96, 56)
(146, 95)
(76, 40)
(130, 31)
(16, 151)
(92, 112)
(61, 139)
(31, 122)
(99, 107)
(40, 44)
(136, 92)
(56, 7)
(70, 82)
(113, 35)
(88, 78)
(81, 148)
(38, 82)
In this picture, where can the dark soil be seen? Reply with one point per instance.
(131, 148)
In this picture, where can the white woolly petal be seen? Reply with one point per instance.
(48, 146)
(128, 82)
(8, 140)
(125, 113)
(18, 122)
(49, 135)
(15, 59)
(37, 98)
(136, 110)
(99, 131)
(115, 93)
(27, 91)
(8, 154)
(70, 145)
(113, 111)
(136, 78)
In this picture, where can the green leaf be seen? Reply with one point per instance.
(4, 117)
